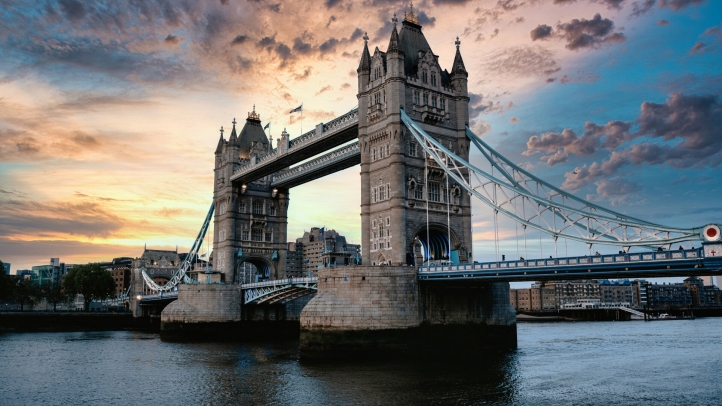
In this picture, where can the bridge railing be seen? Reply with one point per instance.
(160, 296)
(278, 282)
(597, 260)
(320, 162)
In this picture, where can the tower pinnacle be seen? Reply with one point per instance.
(410, 17)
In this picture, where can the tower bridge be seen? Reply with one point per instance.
(410, 136)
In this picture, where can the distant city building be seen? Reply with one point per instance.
(319, 248)
(7, 268)
(120, 269)
(619, 291)
(49, 273)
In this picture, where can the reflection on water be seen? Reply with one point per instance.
(561, 363)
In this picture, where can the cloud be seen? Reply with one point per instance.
(513, 120)
(698, 48)
(305, 74)
(594, 33)
(172, 40)
(72, 9)
(240, 39)
(324, 89)
(677, 5)
(328, 46)
(48, 219)
(663, 22)
(357, 33)
(642, 7)
(332, 3)
(617, 190)
(522, 61)
(303, 48)
(687, 125)
(542, 31)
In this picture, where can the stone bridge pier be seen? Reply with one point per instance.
(384, 309)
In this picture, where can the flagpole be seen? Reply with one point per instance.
(301, 118)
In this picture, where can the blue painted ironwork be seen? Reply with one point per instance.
(291, 175)
(330, 130)
(281, 290)
(655, 263)
(185, 266)
(157, 297)
(581, 221)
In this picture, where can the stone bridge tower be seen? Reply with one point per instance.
(250, 220)
(395, 179)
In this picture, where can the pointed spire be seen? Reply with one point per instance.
(219, 148)
(234, 136)
(458, 66)
(365, 64)
(394, 42)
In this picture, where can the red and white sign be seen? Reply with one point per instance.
(711, 233)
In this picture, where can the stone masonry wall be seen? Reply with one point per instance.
(364, 298)
(203, 304)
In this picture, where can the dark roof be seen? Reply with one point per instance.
(412, 41)
(157, 255)
(365, 64)
(251, 132)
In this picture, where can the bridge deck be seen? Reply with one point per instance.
(652, 264)
(333, 134)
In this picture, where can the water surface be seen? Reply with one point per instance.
(584, 363)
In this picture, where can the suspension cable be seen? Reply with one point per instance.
(427, 254)
(448, 216)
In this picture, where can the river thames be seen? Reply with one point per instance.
(582, 363)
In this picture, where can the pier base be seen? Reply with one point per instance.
(201, 310)
(379, 311)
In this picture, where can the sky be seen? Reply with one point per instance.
(110, 111)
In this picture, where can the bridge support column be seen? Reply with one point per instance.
(202, 309)
(362, 310)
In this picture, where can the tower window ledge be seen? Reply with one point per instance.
(431, 114)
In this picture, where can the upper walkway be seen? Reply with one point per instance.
(324, 137)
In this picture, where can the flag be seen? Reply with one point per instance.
(267, 125)
(297, 109)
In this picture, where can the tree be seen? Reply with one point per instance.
(91, 281)
(54, 293)
(25, 292)
(6, 284)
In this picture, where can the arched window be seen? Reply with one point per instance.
(424, 76)
(433, 78)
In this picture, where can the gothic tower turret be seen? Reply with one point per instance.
(250, 220)
(400, 188)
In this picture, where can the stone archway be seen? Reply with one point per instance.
(252, 269)
(435, 246)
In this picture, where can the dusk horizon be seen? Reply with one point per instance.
(111, 111)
